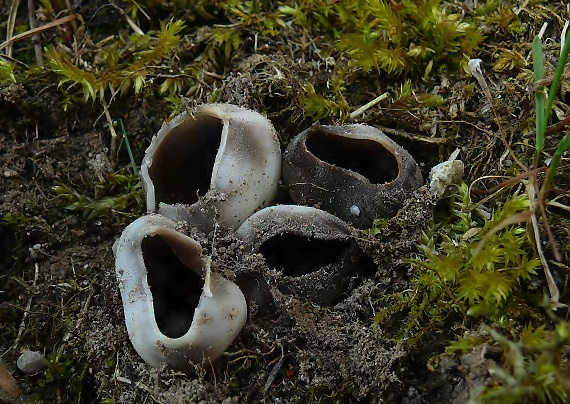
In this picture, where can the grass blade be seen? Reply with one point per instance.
(133, 164)
(558, 74)
(538, 62)
(563, 146)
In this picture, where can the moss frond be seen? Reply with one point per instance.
(462, 344)
(393, 37)
(167, 41)
(451, 279)
(17, 220)
(91, 85)
(221, 43)
(509, 59)
(532, 367)
(127, 190)
(121, 66)
(7, 75)
(318, 107)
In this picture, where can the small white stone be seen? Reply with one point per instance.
(355, 210)
(31, 362)
(547, 161)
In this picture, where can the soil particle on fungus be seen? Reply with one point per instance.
(398, 238)
(309, 252)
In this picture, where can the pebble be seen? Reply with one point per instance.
(355, 210)
(31, 362)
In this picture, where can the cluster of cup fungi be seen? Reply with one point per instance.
(218, 168)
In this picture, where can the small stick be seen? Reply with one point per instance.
(10, 25)
(367, 106)
(82, 314)
(552, 288)
(111, 129)
(28, 306)
(35, 37)
(563, 34)
(477, 72)
(8, 42)
(420, 138)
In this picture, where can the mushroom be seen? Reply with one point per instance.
(355, 172)
(177, 310)
(218, 163)
(310, 252)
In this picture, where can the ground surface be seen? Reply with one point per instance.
(58, 291)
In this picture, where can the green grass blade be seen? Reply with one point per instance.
(563, 146)
(558, 74)
(537, 58)
(133, 165)
(538, 62)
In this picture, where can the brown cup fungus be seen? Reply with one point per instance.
(310, 253)
(355, 172)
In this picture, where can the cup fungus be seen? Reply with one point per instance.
(177, 310)
(311, 252)
(354, 172)
(219, 162)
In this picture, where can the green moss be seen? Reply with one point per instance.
(530, 367)
(318, 107)
(222, 41)
(379, 226)
(394, 37)
(64, 377)
(17, 220)
(123, 65)
(125, 193)
(7, 75)
(451, 278)
(321, 393)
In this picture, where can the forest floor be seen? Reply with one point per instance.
(67, 191)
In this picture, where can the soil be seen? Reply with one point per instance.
(58, 289)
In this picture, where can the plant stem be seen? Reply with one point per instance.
(133, 165)
(563, 146)
(538, 62)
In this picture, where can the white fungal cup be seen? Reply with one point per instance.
(177, 311)
(219, 163)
